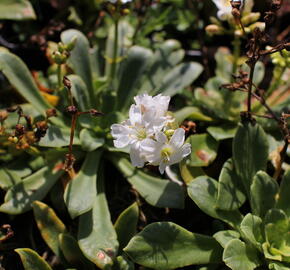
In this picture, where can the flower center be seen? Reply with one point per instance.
(141, 134)
(165, 153)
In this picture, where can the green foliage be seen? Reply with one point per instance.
(16, 10)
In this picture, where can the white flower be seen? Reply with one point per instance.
(163, 152)
(224, 9)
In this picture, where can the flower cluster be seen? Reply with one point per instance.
(150, 133)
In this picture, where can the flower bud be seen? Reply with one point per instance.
(94, 112)
(50, 112)
(250, 18)
(259, 25)
(59, 58)
(213, 29)
(72, 110)
(61, 47)
(19, 130)
(70, 46)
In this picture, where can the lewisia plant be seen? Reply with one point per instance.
(151, 133)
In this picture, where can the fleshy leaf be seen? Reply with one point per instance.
(264, 190)
(230, 191)
(203, 191)
(126, 225)
(223, 237)
(157, 192)
(49, 224)
(96, 235)
(89, 141)
(203, 150)
(251, 226)
(18, 199)
(222, 132)
(250, 152)
(31, 260)
(80, 192)
(283, 197)
(165, 245)
(16, 10)
(239, 256)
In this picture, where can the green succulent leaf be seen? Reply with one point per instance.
(126, 225)
(165, 245)
(264, 190)
(16, 10)
(165, 57)
(19, 76)
(8, 178)
(49, 224)
(251, 227)
(18, 199)
(96, 234)
(203, 191)
(80, 60)
(203, 150)
(89, 141)
(192, 113)
(72, 252)
(57, 137)
(80, 192)
(31, 260)
(132, 69)
(278, 266)
(276, 228)
(222, 132)
(157, 192)
(223, 237)
(179, 77)
(283, 196)
(250, 152)
(80, 92)
(230, 191)
(239, 256)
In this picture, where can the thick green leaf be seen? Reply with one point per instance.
(283, 197)
(222, 132)
(165, 245)
(192, 113)
(230, 191)
(239, 256)
(263, 185)
(126, 225)
(203, 150)
(31, 260)
(179, 77)
(19, 76)
(276, 228)
(72, 253)
(80, 192)
(57, 137)
(132, 69)
(157, 192)
(80, 59)
(89, 141)
(49, 224)
(279, 266)
(8, 178)
(80, 92)
(250, 152)
(16, 10)
(165, 57)
(251, 227)
(18, 199)
(189, 173)
(203, 191)
(223, 237)
(96, 235)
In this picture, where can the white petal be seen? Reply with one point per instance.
(122, 141)
(148, 145)
(135, 115)
(177, 138)
(161, 137)
(119, 130)
(186, 150)
(136, 159)
(162, 167)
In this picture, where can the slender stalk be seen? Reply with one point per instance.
(59, 80)
(115, 50)
(237, 52)
(249, 102)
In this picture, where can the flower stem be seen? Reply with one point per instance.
(237, 52)
(115, 50)
(59, 80)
